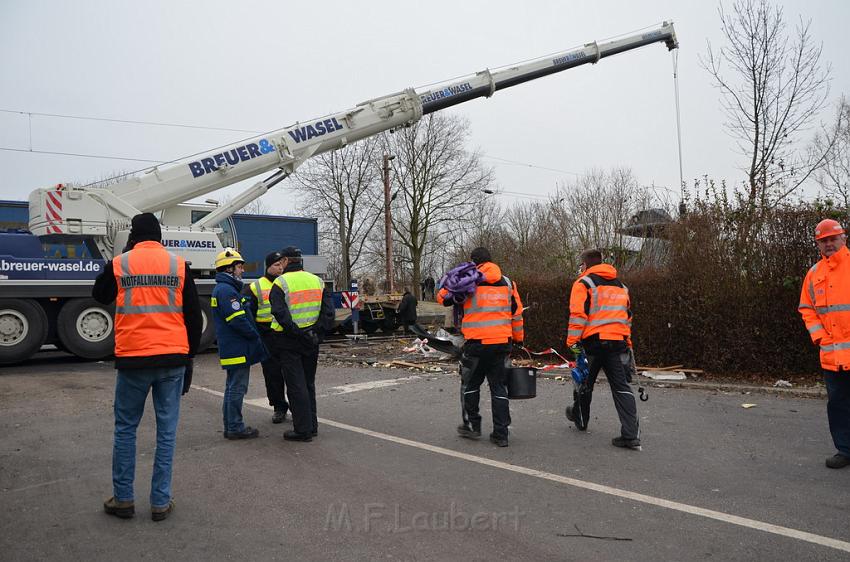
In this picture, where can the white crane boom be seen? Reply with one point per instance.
(104, 213)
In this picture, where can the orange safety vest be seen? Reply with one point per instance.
(487, 315)
(825, 308)
(599, 307)
(149, 306)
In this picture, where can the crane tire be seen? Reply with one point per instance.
(86, 328)
(23, 329)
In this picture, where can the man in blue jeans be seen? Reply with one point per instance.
(157, 330)
(239, 342)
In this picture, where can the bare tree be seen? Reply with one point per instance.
(438, 183)
(343, 187)
(592, 211)
(773, 85)
(834, 174)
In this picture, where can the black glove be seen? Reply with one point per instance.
(187, 376)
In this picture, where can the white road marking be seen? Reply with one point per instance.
(369, 385)
(585, 485)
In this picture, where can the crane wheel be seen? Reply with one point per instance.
(208, 326)
(86, 328)
(23, 329)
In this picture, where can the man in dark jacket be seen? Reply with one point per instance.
(407, 310)
(239, 342)
(303, 312)
(258, 304)
(157, 331)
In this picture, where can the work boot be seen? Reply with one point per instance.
(279, 416)
(293, 435)
(626, 443)
(837, 461)
(501, 441)
(469, 432)
(124, 510)
(247, 433)
(160, 513)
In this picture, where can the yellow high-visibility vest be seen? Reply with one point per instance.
(261, 289)
(303, 292)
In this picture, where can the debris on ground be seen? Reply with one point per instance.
(783, 383)
(421, 347)
(748, 406)
(664, 375)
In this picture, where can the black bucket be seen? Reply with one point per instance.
(522, 382)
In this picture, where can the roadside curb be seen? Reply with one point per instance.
(805, 392)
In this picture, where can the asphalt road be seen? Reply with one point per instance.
(388, 478)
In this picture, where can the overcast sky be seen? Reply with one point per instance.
(264, 65)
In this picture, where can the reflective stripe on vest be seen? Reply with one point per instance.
(604, 312)
(303, 292)
(128, 282)
(261, 289)
(487, 316)
(149, 303)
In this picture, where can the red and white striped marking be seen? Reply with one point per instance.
(53, 213)
(350, 299)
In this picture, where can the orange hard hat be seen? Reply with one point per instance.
(827, 227)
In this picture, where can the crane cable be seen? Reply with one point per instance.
(678, 124)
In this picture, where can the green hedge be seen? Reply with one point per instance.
(725, 300)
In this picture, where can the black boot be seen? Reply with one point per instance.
(626, 443)
(469, 432)
(500, 440)
(293, 435)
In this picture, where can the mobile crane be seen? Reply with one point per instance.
(102, 215)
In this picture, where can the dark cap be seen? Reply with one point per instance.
(145, 226)
(290, 252)
(273, 257)
(480, 255)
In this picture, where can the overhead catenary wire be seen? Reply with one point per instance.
(187, 126)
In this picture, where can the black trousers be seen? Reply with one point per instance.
(273, 375)
(838, 408)
(299, 372)
(612, 356)
(489, 364)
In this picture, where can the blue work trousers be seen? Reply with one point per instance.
(131, 391)
(234, 393)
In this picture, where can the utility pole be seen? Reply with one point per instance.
(388, 223)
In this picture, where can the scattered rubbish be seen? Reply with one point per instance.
(664, 376)
(421, 347)
(783, 383)
(748, 406)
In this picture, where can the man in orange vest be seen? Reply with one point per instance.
(600, 321)
(825, 307)
(492, 319)
(157, 330)
(259, 306)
